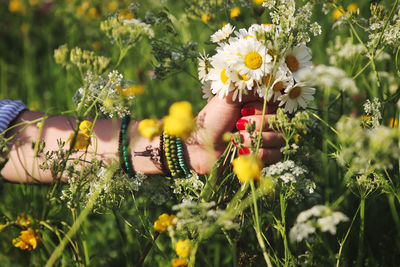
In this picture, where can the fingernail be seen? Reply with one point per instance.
(244, 151)
(239, 139)
(248, 111)
(241, 124)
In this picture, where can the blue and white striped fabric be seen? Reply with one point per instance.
(9, 109)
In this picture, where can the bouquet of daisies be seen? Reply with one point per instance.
(252, 61)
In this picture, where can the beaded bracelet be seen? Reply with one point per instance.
(162, 155)
(180, 157)
(124, 154)
(174, 155)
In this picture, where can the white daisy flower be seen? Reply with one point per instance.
(259, 30)
(243, 34)
(251, 59)
(219, 75)
(297, 95)
(298, 58)
(278, 82)
(204, 66)
(242, 85)
(222, 34)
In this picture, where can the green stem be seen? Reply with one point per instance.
(257, 226)
(361, 233)
(283, 231)
(345, 238)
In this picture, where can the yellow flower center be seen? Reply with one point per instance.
(295, 92)
(253, 60)
(224, 78)
(243, 77)
(292, 63)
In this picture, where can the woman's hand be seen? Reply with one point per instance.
(224, 115)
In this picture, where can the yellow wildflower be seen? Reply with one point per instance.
(205, 18)
(163, 222)
(112, 6)
(14, 6)
(235, 12)
(182, 248)
(393, 123)
(247, 168)
(94, 13)
(150, 128)
(180, 121)
(82, 140)
(23, 221)
(178, 262)
(337, 13)
(85, 126)
(352, 7)
(2, 227)
(27, 240)
(130, 90)
(258, 2)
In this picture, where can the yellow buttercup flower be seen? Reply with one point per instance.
(28, 239)
(178, 262)
(94, 13)
(235, 12)
(14, 6)
(182, 248)
(85, 126)
(352, 7)
(337, 13)
(2, 227)
(112, 6)
(82, 141)
(150, 128)
(258, 2)
(205, 18)
(163, 222)
(247, 168)
(180, 121)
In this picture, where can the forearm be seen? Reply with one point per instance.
(23, 166)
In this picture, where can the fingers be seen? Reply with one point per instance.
(256, 108)
(241, 123)
(269, 139)
(267, 155)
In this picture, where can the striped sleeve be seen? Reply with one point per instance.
(9, 110)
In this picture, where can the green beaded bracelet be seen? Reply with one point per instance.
(174, 155)
(123, 145)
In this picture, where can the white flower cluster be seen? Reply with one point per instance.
(318, 217)
(291, 177)
(365, 148)
(330, 77)
(372, 109)
(188, 188)
(251, 61)
(343, 49)
(200, 218)
(382, 32)
(106, 93)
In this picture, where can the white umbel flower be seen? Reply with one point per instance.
(298, 58)
(251, 59)
(297, 95)
(222, 34)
